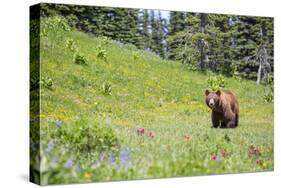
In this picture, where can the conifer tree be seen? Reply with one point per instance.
(175, 35)
(143, 29)
(177, 22)
(255, 35)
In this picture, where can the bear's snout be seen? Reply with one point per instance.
(212, 103)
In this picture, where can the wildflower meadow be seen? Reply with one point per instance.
(110, 111)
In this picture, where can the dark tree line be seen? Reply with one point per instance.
(143, 28)
(229, 44)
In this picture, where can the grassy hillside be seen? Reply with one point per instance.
(92, 113)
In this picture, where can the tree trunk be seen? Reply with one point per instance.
(259, 74)
(262, 58)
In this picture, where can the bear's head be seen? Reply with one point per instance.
(212, 98)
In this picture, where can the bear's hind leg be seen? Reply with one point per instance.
(236, 120)
(230, 119)
(231, 123)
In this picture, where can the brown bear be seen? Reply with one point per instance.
(225, 108)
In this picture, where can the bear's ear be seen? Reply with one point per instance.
(218, 92)
(207, 92)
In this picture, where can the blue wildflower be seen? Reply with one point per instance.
(50, 146)
(112, 159)
(59, 124)
(125, 157)
(103, 156)
(68, 164)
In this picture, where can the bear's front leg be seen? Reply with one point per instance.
(215, 120)
(223, 124)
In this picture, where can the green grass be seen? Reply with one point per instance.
(163, 97)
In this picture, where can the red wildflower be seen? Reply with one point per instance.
(140, 131)
(259, 162)
(213, 157)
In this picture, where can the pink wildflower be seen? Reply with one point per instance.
(140, 131)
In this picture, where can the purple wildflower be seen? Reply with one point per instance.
(103, 156)
(59, 124)
(68, 164)
(125, 157)
(50, 146)
(112, 159)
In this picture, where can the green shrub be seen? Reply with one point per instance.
(216, 82)
(80, 59)
(89, 138)
(53, 24)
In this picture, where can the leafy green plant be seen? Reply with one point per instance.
(46, 82)
(80, 59)
(136, 55)
(268, 98)
(71, 45)
(54, 23)
(101, 53)
(216, 82)
(106, 89)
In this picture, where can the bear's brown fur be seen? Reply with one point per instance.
(225, 108)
